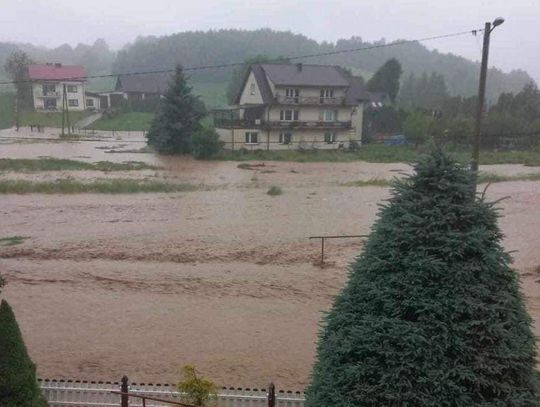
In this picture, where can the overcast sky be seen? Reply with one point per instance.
(516, 44)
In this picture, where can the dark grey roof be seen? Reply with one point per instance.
(304, 75)
(262, 83)
(146, 83)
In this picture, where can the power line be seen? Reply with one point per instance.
(234, 64)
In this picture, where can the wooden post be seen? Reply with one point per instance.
(271, 395)
(322, 250)
(124, 400)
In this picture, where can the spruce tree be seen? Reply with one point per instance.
(18, 383)
(431, 314)
(177, 119)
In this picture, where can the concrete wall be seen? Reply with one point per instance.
(78, 96)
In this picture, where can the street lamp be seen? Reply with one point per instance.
(489, 27)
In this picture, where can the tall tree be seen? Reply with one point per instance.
(431, 314)
(386, 79)
(177, 119)
(18, 382)
(17, 68)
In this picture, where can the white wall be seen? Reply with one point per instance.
(78, 96)
(246, 98)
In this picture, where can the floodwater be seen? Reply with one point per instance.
(225, 278)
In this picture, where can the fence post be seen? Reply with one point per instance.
(271, 395)
(124, 389)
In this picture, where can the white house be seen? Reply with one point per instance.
(286, 106)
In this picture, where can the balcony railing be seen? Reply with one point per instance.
(309, 100)
(260, 124)
(49, 93)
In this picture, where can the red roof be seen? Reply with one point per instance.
(56, 72)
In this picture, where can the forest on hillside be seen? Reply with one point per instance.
(230, 46)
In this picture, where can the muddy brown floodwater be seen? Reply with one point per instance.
(141, 284)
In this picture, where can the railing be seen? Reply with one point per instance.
(309, 100)
(261, 124)
(62, 393)
(50, 93)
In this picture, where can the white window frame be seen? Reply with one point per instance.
(330, 137)
(293, 93)
(48, 88)
(292, 113)
(328, 115)
(283, 137)
(73, 102)
(252, 89)
(71, 87)
(326, 93)
(90, 102)
(250, 135)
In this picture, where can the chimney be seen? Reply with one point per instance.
(299, 66)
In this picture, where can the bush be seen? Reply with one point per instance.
(431, 314)
(273, 191)
(206, 144)
(18, 382)
(199, 391)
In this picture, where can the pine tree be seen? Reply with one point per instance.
(177, 119)
(431, 314)
(386, 79)
(18, 383)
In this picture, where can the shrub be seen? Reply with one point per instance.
(274, 190)
(18, 382)
(199, 391)
(206, 144)
(431, 314)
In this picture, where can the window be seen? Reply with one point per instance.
(292, 93)
(252, 89)
(328, 115)
(73, 102)
(72, 88)
(90, 102)
(285, 138)
(326, 94)
(48, 88)
(329, 138)
(288, 115)
(252, 137)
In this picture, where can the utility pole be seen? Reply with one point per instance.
(481, 97)
(65, 111)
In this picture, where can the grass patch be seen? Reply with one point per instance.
(12, 240)
(7, 114)
(494, 178)
(274, 191)
(213, 94)
(378, 153)
(57, 164)
(373, 182)
(131, 121)
(110, 186)
(49, 119)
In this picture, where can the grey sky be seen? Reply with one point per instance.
(516, 44)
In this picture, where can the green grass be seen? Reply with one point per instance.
(57, 164)
(373, 182)
(12, 240)
(131, 121)
(378, 153)
(274, 191)
(7, 116)
(105, 186)
(213, 94)
(49, 119)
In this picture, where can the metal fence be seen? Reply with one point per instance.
(76, 393)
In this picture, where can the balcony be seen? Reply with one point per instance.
(47, 94)
(261, 124)
(310, 100)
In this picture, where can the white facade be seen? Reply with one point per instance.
(49, 95)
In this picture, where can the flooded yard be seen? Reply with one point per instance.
(224, 278)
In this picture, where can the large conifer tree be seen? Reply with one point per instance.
(18, 383)
(177, 119)
(431, 314)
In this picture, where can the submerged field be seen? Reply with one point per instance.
(222, 276)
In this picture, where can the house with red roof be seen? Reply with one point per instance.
(48, 81)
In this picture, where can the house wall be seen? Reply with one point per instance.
(308, 91)
(246, 98)
(78, 96)
(96, 102)
(311, 113)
